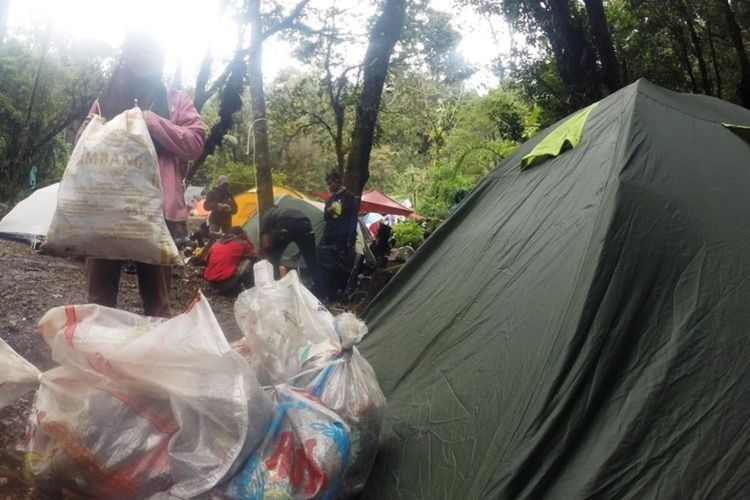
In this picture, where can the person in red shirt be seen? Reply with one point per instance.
(230, 262)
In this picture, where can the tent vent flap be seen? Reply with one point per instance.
(566, 136)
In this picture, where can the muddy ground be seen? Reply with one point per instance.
(30, 285)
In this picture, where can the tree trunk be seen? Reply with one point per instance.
(25, 151)
(735, 34)
(576, 60)
(681, 49)
(263, 179)
(385, 33)
(689, 16)
(714, 59)
(339, 111)
(603, 41)
(335, 92)
(339, 143)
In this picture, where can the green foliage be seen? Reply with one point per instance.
(241, 176)
(36, 129)
(408, 233)
(434, 141)
(280, 178)
(433, 137)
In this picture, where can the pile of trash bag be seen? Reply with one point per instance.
(312, 364)
(144, 406)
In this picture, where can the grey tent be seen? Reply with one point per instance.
(30, 219)
(193, 194)
(313, 210)
(580, 328)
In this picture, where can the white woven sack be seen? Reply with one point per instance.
(110, 201)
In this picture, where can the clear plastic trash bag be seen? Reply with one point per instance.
(304, 455)
(346, 383)
(284, 324)
(174, 389)
(291, 338)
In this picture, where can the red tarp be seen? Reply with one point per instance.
(375, 201)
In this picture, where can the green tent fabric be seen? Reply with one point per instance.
(742, 131)
(580, 330)
(312, 209)
(564, 136)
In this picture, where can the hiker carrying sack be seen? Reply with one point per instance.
(110, 201)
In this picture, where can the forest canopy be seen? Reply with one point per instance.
(387, 98)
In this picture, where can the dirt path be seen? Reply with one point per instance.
(33, 284)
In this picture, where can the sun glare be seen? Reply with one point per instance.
(186, 28)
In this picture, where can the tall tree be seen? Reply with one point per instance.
(325, 50)
(245, 67)
(575, 57)
(336, 88)
(686, 10)
(603, 41)
(204, 91)
(735, 33)
(383, 37)
(714, 57)
(229, 86)
(258, 35)
(560, 23)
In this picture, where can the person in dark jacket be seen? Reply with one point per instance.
(336, 249)
(281, 226)
(222, 205)
(229, 265)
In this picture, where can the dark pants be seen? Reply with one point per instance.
(301, 234)
(154, 284)
(243, 278)
(336, 263)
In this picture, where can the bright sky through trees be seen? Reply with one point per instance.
(187, 27)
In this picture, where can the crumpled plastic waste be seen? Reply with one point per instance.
(139, 405)
(299, 343)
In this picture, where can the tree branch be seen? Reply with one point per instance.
(202, 98)
(303, 28)
(321, 121)
(288, 22)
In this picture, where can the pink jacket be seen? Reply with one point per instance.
(182, 138)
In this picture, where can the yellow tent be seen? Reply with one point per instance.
(247, 202)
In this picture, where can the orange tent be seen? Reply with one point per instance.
(247, 203)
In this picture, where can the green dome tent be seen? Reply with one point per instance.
(580, 327)
(314, 211)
